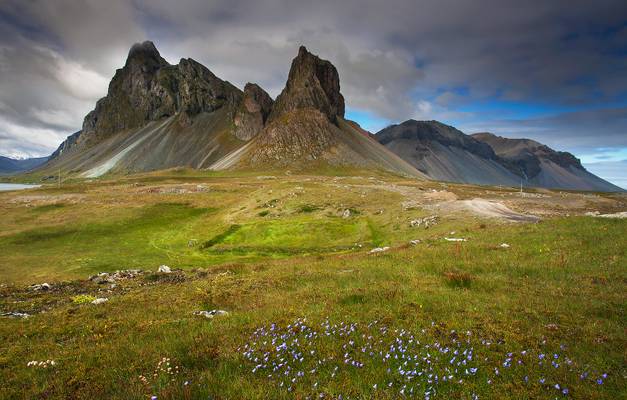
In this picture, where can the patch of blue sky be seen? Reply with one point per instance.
(367, 120)
(604, 155)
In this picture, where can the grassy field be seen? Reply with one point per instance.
(311, 312)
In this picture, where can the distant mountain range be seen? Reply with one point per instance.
(14, 166)
(157, 115)
(445, 153)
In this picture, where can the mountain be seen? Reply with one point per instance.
(306, 127)
(13, 166)
(542, 166)
(156, 115)
(444, 153)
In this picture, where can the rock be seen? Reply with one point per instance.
(192, 243)
(312, 83)
(126, 274)
(454, 239)
(210, 314)
(102, 278)
(414, 242)
(504, 246)
(147, 89)
(380, 249)
(427, 222)
(99, 300)
(15, 314)
(346, 213)
(253, 112)
(619, 215)
(41, 286)
(164, 269)
(551, 327)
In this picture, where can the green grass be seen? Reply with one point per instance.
(147, 236)
(562, 282)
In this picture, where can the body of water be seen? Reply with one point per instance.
(16, 186)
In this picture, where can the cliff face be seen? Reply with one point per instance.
(524, 156)
(148, 88)
(312, 83)
(300, 127)
(424, 132)
(253, 112)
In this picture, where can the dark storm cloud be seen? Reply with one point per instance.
(397, 59)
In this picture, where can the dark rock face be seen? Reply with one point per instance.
(252, 112)
(147, 88)
(301, 135)
(302, 125)
(524, 156)
(423, 132)
(67, 144)
(312, 83)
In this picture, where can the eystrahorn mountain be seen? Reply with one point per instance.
(157, 116)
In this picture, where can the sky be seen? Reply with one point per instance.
(553, 71)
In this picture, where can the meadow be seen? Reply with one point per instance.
(311, 311)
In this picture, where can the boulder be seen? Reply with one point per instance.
(102, 278)
(164, 269)
(42, 286)
(379, 249)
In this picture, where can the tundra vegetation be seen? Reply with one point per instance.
(516, 310)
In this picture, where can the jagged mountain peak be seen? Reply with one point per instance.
(312, 83)
(145, 54)
(252, 112)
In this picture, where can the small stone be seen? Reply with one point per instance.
(427, 222)
(42, 286)
(551, 327)
(102, 278)
(211, 313)
(504, 246)
(99, 300)
(414, 242)
(346, 213)
(380, 249)
(164, 269)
